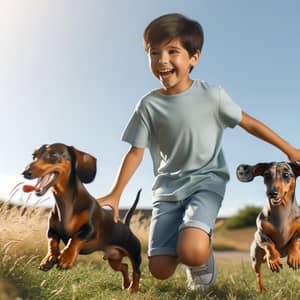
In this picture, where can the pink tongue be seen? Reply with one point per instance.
(28, 188)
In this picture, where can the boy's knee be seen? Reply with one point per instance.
(193, 247)
(195, 255)
(162, 267)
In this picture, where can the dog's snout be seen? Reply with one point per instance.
(273, 193)
(27, 173)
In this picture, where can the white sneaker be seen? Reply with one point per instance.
(203, 276)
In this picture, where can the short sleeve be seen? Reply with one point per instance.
(229, 112)
(136, 132)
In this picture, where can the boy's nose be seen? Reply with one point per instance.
(164, 58)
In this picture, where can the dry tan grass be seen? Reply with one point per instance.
(22, 228)
(140, 226)
(23, 238)
(238, 239)
(7, 290)
(25, 228)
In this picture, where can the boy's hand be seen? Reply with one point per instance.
(113, 202)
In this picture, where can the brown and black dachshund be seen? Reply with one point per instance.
(76, 218)
(278, 224)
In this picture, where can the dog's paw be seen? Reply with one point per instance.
(293, 261)
(66, 259)
(132, 289)
(274, 263)
(48, 262)
(260, 288)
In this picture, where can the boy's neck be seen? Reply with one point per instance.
(177, 90)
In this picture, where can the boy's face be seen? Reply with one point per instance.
(170, 63)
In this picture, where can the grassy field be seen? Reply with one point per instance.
(23, 244)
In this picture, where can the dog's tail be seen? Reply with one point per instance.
(132, 208)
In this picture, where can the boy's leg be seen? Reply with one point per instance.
(195, 252)
(162, 266)
(184, 227)
(163, 235)
(194, 247)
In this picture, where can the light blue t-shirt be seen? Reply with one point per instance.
(184, 133)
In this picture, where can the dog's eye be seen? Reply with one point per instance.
(267, 176)
(34, 156)
(52, 156)
(286, 175)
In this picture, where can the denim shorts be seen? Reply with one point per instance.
(199, 210)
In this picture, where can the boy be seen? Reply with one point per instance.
(182, 125)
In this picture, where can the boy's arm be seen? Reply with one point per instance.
(261, 131)
(128, 166)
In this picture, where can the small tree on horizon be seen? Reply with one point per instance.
(245, 217)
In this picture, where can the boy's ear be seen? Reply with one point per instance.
(195, 58)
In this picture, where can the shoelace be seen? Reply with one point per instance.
(199, 271)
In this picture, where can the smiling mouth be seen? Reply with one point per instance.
(166, 73)
(42, 185)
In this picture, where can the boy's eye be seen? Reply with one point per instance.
(173, 51)
(154, 53)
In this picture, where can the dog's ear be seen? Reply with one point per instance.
(246, 173)
(295, 167)
(85, 165)
(39, 151)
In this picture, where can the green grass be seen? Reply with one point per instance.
(92, 278)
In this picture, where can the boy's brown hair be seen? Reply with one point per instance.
(171, 26)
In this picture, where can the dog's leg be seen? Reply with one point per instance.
(69, 253)
(136, 275)
(53, 251)
(257, 258)
(272, 256)
(117, 265)
(114, 257)
(135, 258)
(133, 251)
(52, 256)
(293, 258)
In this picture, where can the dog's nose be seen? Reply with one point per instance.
(273, 194)
(27, 173)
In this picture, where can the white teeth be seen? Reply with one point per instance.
(46, 180)
(166, 71)
(275, 202)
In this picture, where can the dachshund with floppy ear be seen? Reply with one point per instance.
(278, 224)
(76, 218)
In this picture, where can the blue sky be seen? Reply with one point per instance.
(73, 71)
